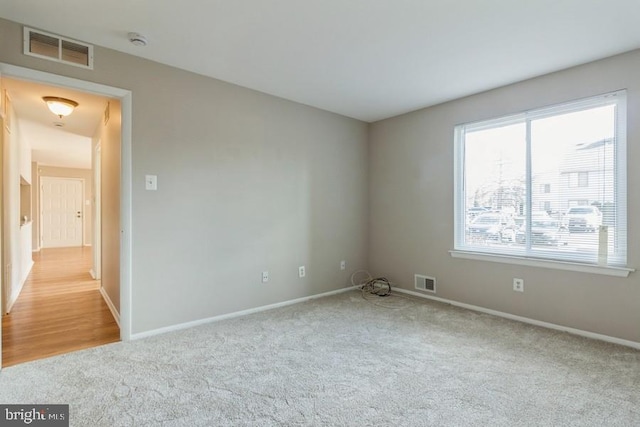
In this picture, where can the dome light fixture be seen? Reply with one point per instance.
(61, 107)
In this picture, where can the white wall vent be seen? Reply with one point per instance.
(425, 283)
(57, 48)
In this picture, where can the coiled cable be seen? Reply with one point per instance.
(378, 287)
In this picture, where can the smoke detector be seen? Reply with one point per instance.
(137, 39)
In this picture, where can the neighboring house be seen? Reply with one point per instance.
(546, 193)
(586, 176)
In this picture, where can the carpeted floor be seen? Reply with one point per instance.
(343, 361)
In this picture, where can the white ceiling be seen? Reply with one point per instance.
(69, 146)
(367, 59)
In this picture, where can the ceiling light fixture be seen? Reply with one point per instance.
(137, 39)
(60, 106)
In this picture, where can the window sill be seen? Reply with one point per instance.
(532, 262)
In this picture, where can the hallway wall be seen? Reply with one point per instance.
(108, 134)
(17, 239)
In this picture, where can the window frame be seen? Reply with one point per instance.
(616, 263)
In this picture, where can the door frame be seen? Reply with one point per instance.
(125, 98)
(41, 213)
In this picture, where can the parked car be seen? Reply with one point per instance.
(521, 229)
(521, 223)
(492, 227)
(545, 232)
(474, 212)
(540, 215)
(583, 218)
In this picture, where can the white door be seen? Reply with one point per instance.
(62, 212)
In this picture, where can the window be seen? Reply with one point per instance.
(510, 165)
(583, 179)
(578, 179)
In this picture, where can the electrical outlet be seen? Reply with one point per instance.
(343, 265)
(265, 276)
(518, 284)
(301, 271)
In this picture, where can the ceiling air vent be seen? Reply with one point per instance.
(425, 283)
(56, 48)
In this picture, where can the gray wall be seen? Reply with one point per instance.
(11, 250)
(109, 137)
(411, 196)
(247, 182)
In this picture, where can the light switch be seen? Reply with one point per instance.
(151, 182)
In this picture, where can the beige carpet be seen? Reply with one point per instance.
(343, 361)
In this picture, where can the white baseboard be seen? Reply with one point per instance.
(580, 332)
(112, 307)
(191, 324)
(93, 275)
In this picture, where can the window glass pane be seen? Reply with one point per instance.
(494, 182)
(568, 161)
(575, 154)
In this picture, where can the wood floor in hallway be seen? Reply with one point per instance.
(59, 310)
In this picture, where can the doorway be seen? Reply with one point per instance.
(65, 236)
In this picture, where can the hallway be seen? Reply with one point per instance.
(59, 310)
